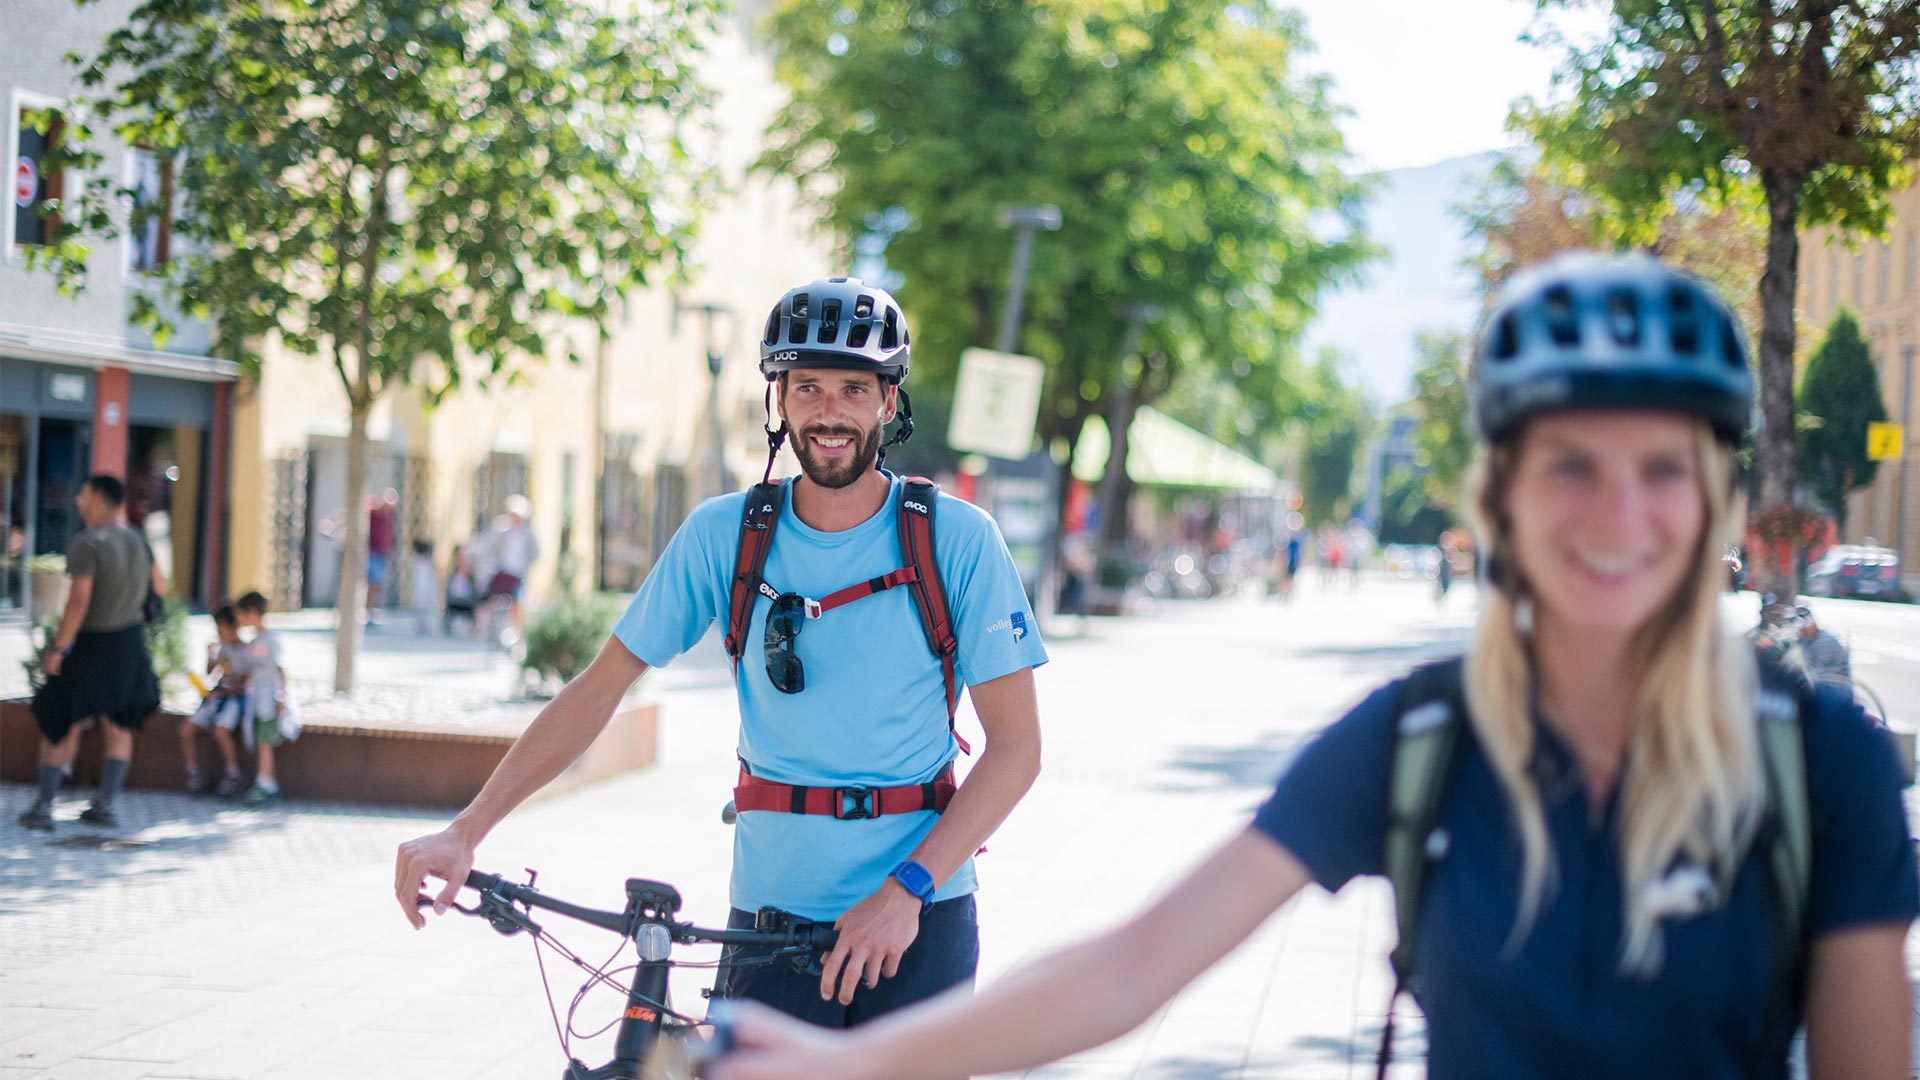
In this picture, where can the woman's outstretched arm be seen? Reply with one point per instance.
(1087, 994)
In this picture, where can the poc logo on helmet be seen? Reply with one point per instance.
(785, 357)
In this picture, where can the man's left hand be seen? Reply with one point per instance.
(874, 935)
(51, 665)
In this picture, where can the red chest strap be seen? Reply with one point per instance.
(851, 803)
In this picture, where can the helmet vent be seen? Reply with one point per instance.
(890, 330)
(829, 322)
(863, 307)
(1730, 349)
(797, 322)
(1505, 343)
(858, 333)
(1686, 321)
(1562, 326)
(772, 336)
(1623, 318)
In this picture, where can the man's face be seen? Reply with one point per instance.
(835, 419)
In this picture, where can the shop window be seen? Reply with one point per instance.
(1886, 270)
(150, 185)
(32, 183)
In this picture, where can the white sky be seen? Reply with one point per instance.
(1430, 79)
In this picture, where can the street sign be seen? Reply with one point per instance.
(1886, 442)
(996, 403)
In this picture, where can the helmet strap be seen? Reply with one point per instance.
(905, 432)
(775, 437)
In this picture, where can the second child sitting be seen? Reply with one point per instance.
(272, 722)
(221, 712)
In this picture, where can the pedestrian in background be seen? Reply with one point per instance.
(423, 583)
(221, 712)
(511, 549)
(462, 592)
(98, 664)
(380, 546)
(272, 722)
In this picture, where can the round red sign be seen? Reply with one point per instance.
(26, 183)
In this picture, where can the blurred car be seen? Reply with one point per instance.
(1850, 570)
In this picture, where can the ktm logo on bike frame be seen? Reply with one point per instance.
(640, 1012)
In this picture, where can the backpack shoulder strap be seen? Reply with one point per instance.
(1788, 833)
(757, 522)
(918, 497)
(1431, 709)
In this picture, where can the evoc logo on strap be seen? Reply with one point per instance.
(916, 507)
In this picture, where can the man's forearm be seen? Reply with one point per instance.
(555, 739)
(996, 784)
(71, 619)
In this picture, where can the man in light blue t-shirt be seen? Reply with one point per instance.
(848, 807)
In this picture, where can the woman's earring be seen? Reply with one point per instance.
(1523, 616)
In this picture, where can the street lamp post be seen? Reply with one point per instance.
(707, 312)
(1023, 220)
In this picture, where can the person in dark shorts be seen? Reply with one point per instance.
(98, 666)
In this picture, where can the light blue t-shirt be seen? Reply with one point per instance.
(874, 710)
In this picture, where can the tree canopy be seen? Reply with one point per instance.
(1194, 167)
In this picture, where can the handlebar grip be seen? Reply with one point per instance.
(482, 881)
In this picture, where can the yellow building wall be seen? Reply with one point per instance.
(1878, 278)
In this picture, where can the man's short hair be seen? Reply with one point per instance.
(224, 615)
(108, 487)
(251, 602)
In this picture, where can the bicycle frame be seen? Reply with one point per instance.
(649, 922)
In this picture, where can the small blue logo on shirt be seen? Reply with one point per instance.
(1019, 619)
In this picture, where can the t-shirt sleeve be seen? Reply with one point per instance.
(997, 632)
(683, 594)
(1329, 807)
(1863, 855)
(83, 558)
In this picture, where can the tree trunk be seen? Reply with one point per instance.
(1773, 444)
(353, 554)
(1116, 487)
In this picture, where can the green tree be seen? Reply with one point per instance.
(1812, 100)
(1335, 422)
(426, 192)
(1194, 167)
(1839, 397)
(1443, 442)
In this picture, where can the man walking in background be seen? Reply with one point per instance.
(97, 665)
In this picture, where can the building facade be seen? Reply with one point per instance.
(1878, 278)
(81, 390)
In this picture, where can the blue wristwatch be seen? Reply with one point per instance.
(916, 879)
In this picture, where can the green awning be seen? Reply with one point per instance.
(1164, 452)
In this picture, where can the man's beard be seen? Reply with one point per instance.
(840, 472)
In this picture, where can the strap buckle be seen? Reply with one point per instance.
(812, 607)
(863, 807)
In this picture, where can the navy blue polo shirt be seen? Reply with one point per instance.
(1559, 1005)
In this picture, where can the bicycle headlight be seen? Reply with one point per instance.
(654, 941)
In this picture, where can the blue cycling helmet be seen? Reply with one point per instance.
(836, 323)
(1593, 332)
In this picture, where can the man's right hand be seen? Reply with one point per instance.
(447, 855)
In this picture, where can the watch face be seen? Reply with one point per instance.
(916, 879)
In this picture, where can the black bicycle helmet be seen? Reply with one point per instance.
(1587, 331)
(836, 323)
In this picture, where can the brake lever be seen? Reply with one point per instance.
(501, 915)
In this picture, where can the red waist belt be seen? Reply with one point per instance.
(853, 803)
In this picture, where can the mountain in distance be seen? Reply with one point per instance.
(1420, 283)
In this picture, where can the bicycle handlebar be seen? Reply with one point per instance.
(496, 892)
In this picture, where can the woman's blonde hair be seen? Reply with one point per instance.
(1693, 780)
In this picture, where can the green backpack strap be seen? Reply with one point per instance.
(1431, 709)
(1786, 832)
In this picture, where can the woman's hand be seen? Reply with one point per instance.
(768, 1045)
